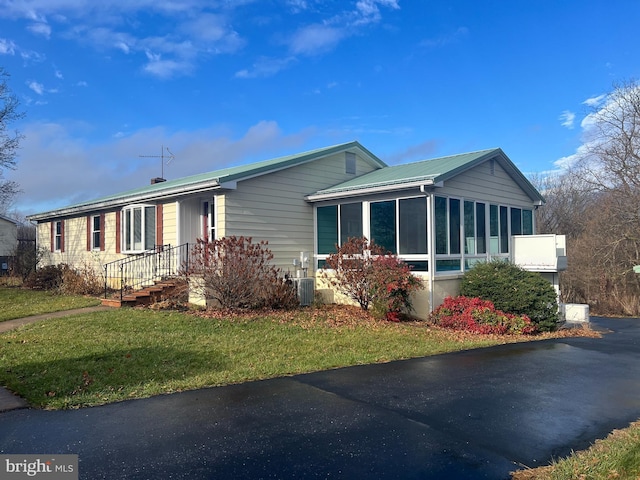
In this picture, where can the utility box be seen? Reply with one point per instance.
(575, 313)
(540, 253)
(306, 290)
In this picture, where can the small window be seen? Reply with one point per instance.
(350, 163)
(58, 236)
(96, 228)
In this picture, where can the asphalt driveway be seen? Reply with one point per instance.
(476, 414)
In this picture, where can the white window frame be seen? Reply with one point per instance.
(57, 239)
(128, 219)
(95, 232)
(213, 219)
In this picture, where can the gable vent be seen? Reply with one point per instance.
(350, 162)
(492, 166)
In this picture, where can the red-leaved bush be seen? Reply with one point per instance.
(237, 273)
(480, 316)
(369, 275)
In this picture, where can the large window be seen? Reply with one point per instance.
(350, 221)
(338, 222)
(383, 224)
(138, 228)
(413, 226)
(398, 225)
(448, 232)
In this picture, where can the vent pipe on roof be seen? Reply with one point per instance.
(157, 180)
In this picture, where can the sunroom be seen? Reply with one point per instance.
(440, 216)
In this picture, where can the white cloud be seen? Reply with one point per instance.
(40, 28)
(321, 37)
(265, 67)
(567, 119)
(367, 11)
(594, 101)
(76, 176)
(7, 47)
(316, 39)
(36, 87)
(58, 74)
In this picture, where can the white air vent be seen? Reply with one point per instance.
(305, 287)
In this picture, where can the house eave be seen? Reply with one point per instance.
(370, 190)
(154, 196)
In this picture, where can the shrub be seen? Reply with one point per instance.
(479, 316)
(370, 276)
(513, 290)
(237, 274)
(65, 279)
(48, 277)
(81, 281)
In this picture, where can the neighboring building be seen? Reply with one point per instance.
(441, 216)
(8, 242)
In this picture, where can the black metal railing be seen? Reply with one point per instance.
(139, 271)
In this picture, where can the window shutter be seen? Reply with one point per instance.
(118, 232)
(102, 227)
(62, 236)
(53, 236)
(89, 233)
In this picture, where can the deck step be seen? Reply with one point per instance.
(144, 296)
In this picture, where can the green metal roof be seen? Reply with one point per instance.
(211, 180)
(428, 172)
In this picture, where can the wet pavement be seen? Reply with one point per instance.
(475, 414)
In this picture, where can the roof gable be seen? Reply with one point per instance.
(426, 173)
(10, 220)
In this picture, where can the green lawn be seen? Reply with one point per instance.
(117, 354)
(17, 303)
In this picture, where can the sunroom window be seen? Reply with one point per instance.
(138, 228)
(398, 225)
(448, 232)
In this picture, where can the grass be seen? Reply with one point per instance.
(104, 357)
(114, 355)
(615, 457)
(17, 303)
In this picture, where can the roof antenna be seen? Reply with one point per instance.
(162, 157)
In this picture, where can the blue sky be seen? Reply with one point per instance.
(228, 82)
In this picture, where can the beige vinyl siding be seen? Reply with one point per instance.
(272, 207)
(75, 243)
(169, 224)
(479, 184)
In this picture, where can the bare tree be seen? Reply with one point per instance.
(604, 211)
(567, 203)
(9, 140)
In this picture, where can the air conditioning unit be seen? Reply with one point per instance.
(305, 288)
